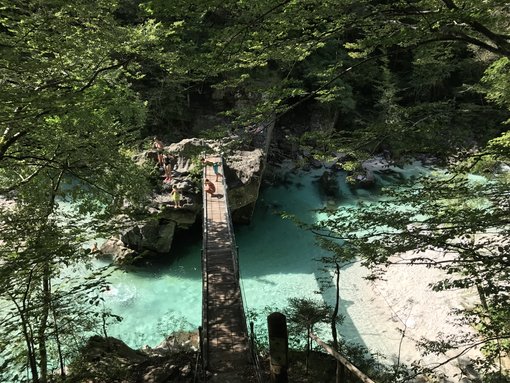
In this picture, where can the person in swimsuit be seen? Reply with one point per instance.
(215, 166)
(176, 197)
(209, 187)
(168, 168)
(158, 145)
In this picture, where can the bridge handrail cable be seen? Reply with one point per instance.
(235, 259)
(205, 281)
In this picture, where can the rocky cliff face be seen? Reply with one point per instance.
(244, 174)
(243, 170)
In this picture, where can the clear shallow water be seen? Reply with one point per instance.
(277, 261)
(157, 301)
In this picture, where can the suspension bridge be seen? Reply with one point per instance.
(226, 353)
(226, 349)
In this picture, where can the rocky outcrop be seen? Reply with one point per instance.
(153, 235)
(111, 360)
(243, 170)
(244, 174)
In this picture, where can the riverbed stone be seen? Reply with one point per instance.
(328, 184)
(120, 254)
(160, 374)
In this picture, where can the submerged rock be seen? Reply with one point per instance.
(328, 184)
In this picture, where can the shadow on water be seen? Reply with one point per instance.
(347, 329)
(185, 253)
(160, 298)
(278, 259)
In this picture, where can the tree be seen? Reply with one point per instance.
(466, 220)
(399, 76)
(341, 256)
(67, 119)
(304, 314)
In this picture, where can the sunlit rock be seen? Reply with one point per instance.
(116, 249)
(243, 173)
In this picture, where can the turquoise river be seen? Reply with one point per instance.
(277, 261)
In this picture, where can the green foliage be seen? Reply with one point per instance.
(82, 79)
(68, 116)
(496, 80)
(302, 315)
(463, 217)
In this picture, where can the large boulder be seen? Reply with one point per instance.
(243, 173)
(106, 360)
(152, 235)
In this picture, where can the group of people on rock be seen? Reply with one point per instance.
(167, 161)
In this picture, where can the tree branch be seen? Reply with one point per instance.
(101, 70)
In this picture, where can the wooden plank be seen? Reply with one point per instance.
(226, 331)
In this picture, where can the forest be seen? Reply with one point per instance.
(86, 84)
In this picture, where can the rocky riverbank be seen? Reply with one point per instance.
(153, 236)
(111, 360)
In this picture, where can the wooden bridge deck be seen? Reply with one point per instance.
(223, 321)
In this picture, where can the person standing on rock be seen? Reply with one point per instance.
(168, 168)
(176, 197)
(158, 145)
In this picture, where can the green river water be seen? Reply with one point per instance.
(277, 261)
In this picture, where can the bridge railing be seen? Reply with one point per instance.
(347, 368)
(204, 338)
(235, 260)
(234, 251)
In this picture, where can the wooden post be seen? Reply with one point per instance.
(343, 375)
(252, 341)
(278, 347)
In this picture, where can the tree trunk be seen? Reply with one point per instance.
(57, 339)
(41, 331)
(46, 291)
(339, 371)
(307, 349)
(32, 361)
(25, 327)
